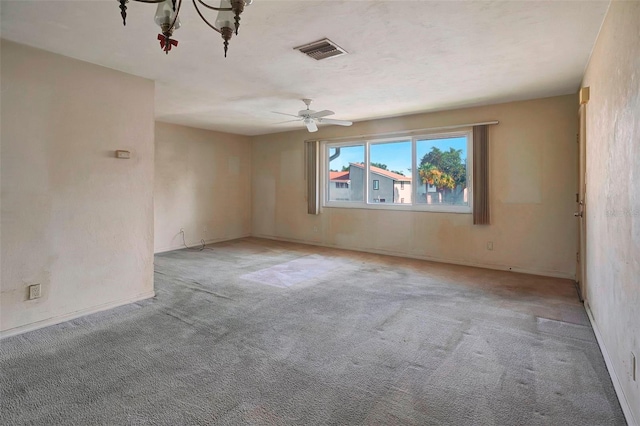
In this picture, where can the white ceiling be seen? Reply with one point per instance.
(404, 56)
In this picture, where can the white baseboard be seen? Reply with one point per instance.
(626, 408)
(76, 314)
(198, 243)
(498, 267)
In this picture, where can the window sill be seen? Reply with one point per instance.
(399, 207)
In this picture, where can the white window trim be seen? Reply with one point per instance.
(419, 207)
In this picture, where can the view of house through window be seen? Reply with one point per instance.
(390, 170)
(428, 172)
(344, 185)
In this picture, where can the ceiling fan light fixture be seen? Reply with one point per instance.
(311, 125)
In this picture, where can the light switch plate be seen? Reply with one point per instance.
(123, 154)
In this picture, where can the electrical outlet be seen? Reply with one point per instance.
(490, 245)
(634, 367)
(34, 291)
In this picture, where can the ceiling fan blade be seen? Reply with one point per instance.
(338, 122)
(311, 125)
(287, 121)
(284, 113)
(321, 114)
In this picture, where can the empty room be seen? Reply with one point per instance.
(279, 212)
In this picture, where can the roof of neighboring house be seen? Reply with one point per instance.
(341, 176)
(385, 173)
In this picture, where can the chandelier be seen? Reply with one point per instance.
(226, 23)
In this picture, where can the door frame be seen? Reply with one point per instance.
(581, 199)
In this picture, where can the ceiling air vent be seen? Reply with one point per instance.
(321, 49)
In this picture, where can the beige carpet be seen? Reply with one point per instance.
(260, 332)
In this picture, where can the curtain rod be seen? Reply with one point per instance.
(402, 133)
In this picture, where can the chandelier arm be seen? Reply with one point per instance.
(220, 9)
(203, 18)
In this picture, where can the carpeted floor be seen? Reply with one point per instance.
(267, 333)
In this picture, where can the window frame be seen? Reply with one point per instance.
(413, 138)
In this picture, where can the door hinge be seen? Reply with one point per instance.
(578, 257)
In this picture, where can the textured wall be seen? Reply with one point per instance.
(613, 194)
(202, 184)
(533, 182)
(74, 218)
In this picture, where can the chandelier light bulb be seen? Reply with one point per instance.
(165, 15)
(225, 17)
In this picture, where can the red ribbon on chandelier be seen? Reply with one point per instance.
(166, 43)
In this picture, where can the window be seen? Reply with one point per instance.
(426, 172)
(441, 163)
(349, 184)
(389, 177)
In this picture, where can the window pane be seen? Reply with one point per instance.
(390, 172)
(346, 179)
(442, 171)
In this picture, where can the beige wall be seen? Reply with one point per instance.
(74, 218)
(533, 181)
(613, 194)
(202, 184)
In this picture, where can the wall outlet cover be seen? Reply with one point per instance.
(35, 291)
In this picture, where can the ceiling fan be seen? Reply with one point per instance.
(310, 117)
